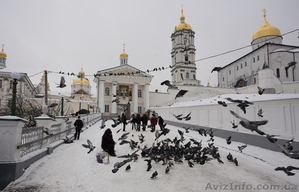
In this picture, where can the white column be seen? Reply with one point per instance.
(6, 81)
(146, 97)
(98, 92)
(101, 96)
(135, 97)
(114, 104)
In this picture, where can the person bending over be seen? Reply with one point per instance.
(108, 143)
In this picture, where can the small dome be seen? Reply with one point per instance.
(2, 54)
(266, 30)
(81, 81)
(124, 55)
(182, 25)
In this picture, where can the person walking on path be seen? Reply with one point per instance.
(138, 122)
(78, 126)
(144, 120)
(124, 120)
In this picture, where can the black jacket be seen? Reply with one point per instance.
(107, 139)
(78, 124)
(144, 119)
(161, 120)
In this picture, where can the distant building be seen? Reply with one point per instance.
(269, 53)
(25, 89)
(126, 86)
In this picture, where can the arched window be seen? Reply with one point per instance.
(258, 57)
(254, 81)
(241, 65)
(187, 75)
(107, 90)
(237, 68)
(277, 72)
(139, 93)
(245, 64)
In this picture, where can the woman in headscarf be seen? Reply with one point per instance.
(108, 143)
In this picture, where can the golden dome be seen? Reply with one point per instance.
(124, 55)
(2, 54)
(266, 30)
(81, 81)
(182, 25)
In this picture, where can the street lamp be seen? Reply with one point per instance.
(15, 76)
(93, 109)
(96, 108)
(80, 104)
(62, 98)
(88, 106)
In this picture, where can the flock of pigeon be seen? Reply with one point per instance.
(177, 150)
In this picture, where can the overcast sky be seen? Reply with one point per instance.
(67, 35)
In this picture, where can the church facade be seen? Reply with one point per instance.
(122, 89)
(269, 53)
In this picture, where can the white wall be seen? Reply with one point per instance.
(282, 116)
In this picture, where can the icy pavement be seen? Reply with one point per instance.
(70, 168)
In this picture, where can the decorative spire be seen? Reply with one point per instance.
(2, 47)
(124, 47)
(182, 16)
(264, 10)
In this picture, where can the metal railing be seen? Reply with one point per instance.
(29, 135)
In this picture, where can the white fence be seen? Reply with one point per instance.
(282, 116)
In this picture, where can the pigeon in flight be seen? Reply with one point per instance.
(291, 154)
(167, 82)
(52, 105)
(103, 123)
(287, 170)
(290, 65)
(187, 117)
(228, 140)
(89, 146)
(271, 138)
(251, 125)
(242, 147)
(260, 113)
(116, 100)
(234, 125)
(181, 93)
(154, 175)
(242, 103)
(260, 90)
(62, 83)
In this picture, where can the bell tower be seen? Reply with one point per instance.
(183, 70)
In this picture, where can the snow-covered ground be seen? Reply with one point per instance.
(70, 168)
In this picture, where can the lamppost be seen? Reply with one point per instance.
(80, 104)
(62, 99)
(15, 76)
(93, 109)
(88, 106)
(96, 108)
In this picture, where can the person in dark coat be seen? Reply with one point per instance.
(108, 143)
(78, 126)
(133, 121)
(161, 122)
(138, 121)
(124, 121)
(144, 120)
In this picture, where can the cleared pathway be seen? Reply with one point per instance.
(70, 168)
